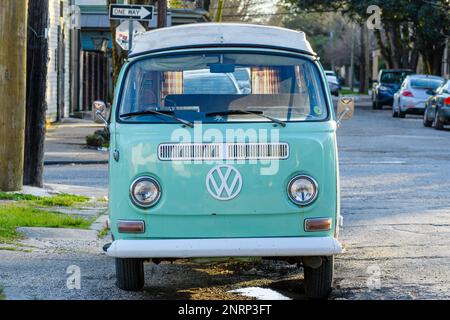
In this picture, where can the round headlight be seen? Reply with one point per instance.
(145, 192)
(303, 190)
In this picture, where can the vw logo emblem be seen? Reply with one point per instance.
(224, 182)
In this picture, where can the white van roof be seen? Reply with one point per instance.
(217, 34)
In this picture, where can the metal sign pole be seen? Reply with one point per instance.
(130, 35)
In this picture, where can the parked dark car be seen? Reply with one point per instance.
(334, 85)
(388, 83)
(437, 108)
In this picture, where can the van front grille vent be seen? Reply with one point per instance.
(223, 151)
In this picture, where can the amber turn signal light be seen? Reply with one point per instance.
(321, 224)
(125, 226)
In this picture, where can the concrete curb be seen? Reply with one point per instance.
(81, 162)
(90, 192)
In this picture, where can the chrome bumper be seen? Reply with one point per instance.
(211, 248)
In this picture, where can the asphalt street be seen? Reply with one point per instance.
(77, 175)
(395, 179)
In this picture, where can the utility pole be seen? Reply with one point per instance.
(13, 46)
(37, 55)
(162, 13)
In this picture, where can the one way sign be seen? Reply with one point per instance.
(131, 12)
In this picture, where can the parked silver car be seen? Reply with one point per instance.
(414, 93)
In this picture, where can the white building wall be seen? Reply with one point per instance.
(52, 70)
(67, 77)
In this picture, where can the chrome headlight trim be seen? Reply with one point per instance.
(138, 203)
(310, 201)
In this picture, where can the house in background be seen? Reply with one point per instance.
(79, 59)
(91, 52)
(58, 69)
(92, 62)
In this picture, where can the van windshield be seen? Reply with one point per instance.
(223, 87)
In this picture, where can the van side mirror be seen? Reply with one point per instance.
(100, 112)
(345, 109)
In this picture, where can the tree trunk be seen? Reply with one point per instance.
(384, 49)
(432, 59)
(394, 44)
(414, 60)
(37, 53)
(13, 35)
(119, 55)
(364, 61)
(162, 13)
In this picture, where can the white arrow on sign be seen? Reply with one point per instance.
(144, 12)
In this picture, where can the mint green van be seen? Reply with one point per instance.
(223, 146)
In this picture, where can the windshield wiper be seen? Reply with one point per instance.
(256, 113)
(168, 114)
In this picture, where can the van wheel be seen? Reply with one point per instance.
(130, 274)
(401, 114)
(318, 281)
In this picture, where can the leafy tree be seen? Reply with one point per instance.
(409, 27)
(239, 11)
(176, 4)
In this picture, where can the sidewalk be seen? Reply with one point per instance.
(66, 143)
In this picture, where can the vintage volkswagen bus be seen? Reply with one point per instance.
(223, 145)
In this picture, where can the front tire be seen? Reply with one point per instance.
(376, 105)
(438, 124)
(318, 281)
(426, 123)
(130, 274)
(394, 113)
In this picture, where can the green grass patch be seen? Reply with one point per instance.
(17, 197)
(8, 249)
(345, 92)
(103, 233)
(2, 295)
(61, 200)
(16, 216)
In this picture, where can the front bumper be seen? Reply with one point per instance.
(412, 105)
(212, 248)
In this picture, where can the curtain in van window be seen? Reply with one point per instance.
(265, 81)
(146, 86)
(173, 83)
